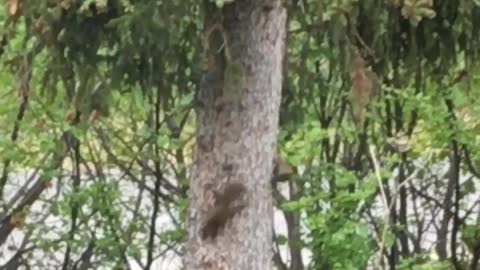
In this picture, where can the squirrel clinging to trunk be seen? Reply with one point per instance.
(228, 203)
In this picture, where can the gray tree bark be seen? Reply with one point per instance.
(230, 215)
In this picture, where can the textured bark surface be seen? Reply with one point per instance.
(236, 134)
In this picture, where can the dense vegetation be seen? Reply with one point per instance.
(379, 123)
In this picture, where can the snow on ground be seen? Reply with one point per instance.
(53, 226)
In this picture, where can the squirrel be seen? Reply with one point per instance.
(282, 171)
(226, 206)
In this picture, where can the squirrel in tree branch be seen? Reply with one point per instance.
(282, 171)
(227, 205)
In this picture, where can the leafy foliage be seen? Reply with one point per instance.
(96, 131)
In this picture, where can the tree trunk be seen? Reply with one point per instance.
(230, 216)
